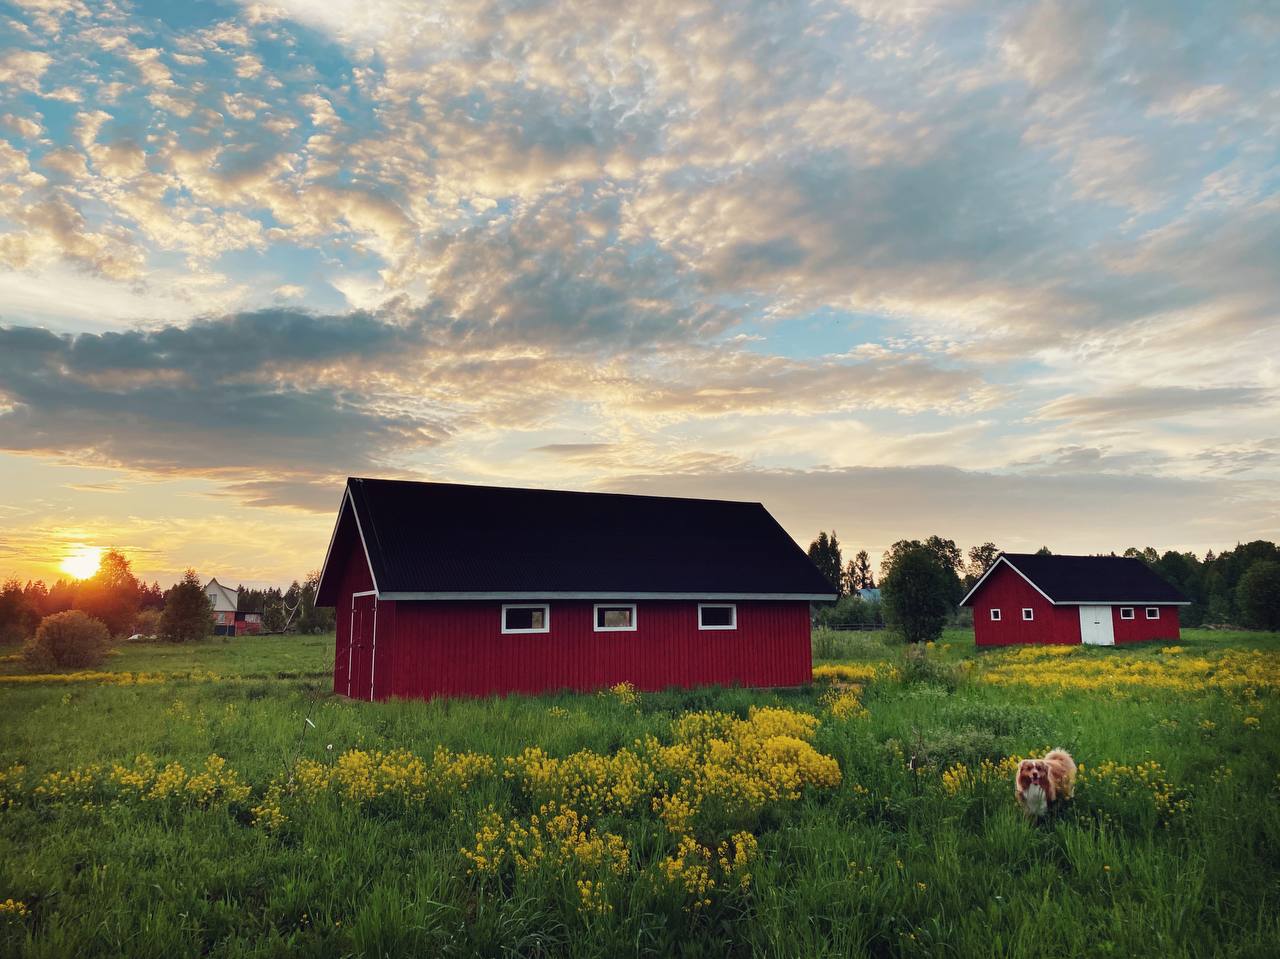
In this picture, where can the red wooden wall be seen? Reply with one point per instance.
(1006, 590)
(425, 649)
(458, 649)
(355, 579)
(1052, 625)
(1140, 629)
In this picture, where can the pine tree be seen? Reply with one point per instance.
(188, 615)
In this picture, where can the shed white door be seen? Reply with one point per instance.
(1095, 626)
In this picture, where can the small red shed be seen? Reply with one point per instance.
(1099, 600)
(451, 590)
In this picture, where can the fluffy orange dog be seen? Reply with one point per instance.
(1041, 781)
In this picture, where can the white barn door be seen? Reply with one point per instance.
(1096, 627)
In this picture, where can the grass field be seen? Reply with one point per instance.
(871, 814)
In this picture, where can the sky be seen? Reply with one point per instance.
(993, 271)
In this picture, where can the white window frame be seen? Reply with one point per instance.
(730, 606)
(1153, 609)
(595, 618)
(995, 614)
(546, 618)
(1129, 610)
(1028, 614)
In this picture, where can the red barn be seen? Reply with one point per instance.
(448, 590)
(1099, 600)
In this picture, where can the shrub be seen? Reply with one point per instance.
(187, 613)
(68, 639)
(147, 622)
(916, 589)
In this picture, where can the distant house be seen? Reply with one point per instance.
(1096, 600)
(447, 590)
(869, 595)
(228, 620)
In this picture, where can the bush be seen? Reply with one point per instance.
(147, 623)
(187, 613)
(68, 639)
(916, 591)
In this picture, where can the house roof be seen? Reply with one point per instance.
(1087, 580)
(447, 541)
(231, 597)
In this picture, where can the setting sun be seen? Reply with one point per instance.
(83, 561)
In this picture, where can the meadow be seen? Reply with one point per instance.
(216, 799)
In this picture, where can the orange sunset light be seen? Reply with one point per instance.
(82, 562)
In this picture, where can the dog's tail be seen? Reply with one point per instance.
(1064, 757)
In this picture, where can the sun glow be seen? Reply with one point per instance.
(82, 561)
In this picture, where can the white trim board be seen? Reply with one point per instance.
(324, 567)
(991, 569)
(546, 619)
(733, 623)
(546, 594)
(1122, 602)
(595, 618)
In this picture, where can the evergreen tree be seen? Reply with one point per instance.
(188, 614)
(825, 554)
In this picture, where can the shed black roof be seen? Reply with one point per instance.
(1091, 579)
(442, 538)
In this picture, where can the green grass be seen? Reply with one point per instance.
(894, 867)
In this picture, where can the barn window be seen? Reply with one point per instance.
(1126, 612)
(717, 616)
(995, 615)
(526, 618)
(1028, 613)
(1153, 612)
(613, 618)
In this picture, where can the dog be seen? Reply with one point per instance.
(1041, 782)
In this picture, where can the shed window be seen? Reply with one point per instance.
(995, 615)
(617, 618)
(526, 618)
(1153, 612)
(1028, 613)
(1126, 612)
(717, 616)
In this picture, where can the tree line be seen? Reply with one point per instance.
(922, 582)
(124, 605)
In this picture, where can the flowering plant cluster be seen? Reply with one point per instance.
(398, 777)
(716, 776)
(109, 678)
(862, 673)
(1117, 788)
(959, 779)
(844, 702)
(1072, 668)
(214, 785)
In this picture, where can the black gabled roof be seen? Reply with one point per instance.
(448, 538)
(1090, 579)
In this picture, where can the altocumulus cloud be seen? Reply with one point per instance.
(1033, 238)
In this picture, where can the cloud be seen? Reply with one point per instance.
(1146, 403)
(22, 69)
(220, 398)
(872, 508)
(589, 240)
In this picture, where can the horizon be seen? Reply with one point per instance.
(994, 272)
